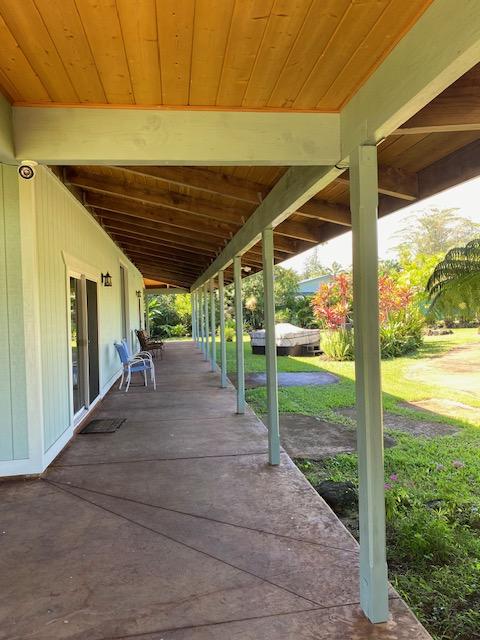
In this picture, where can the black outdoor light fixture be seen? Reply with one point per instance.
(139, 294)
(106, 279)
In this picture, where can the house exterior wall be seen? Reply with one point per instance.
(13, 416)
(65, 239)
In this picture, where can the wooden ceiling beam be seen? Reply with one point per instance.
(160, 275)
(158, 252)
(227, 186)
(150, 229)
(449, 112)
(182, 220)
(164, 263)
(167, 199)
(115, 223)
(161, 215)
(459, 166)
(391, 182)
(305, 231)
(147, 242)
(206, 180)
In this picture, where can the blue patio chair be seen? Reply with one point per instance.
(138, 363)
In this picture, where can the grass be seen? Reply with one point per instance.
(433, 485)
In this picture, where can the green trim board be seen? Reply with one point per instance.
(7, 152)
(78, 135)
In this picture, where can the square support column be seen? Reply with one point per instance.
(223, 342)
(213, 328)
(364, 205)
(197, 318)
(207, 323)
(237, 277)
(192, 303)
(270, 347)
(202, 318)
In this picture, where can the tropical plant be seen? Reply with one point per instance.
(229, 334)
(332, 304)
(401, 333)
(455, 281)
(338, 344)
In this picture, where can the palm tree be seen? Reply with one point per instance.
(455, 281)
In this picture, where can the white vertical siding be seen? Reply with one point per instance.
(13, 416)
(64, 227)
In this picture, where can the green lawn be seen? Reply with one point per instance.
(433, 500)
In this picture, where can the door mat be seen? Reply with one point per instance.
(103, 426)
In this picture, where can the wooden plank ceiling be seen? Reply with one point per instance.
(261, 54)
(173, 221)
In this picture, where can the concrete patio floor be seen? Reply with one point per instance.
(175, 528)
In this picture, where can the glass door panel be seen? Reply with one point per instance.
(76, 344)
(92, 352)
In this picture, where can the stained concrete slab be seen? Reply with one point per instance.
(289, 379)
(124, 538)
(310, 437)
(426, 428)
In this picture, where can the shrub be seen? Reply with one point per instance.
(338, 344)
(229, 334)
(401, 333)
(178, 331)
(283, 315)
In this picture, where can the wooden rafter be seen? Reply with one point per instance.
(392, 182)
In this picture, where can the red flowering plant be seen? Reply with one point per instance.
(332, 304)
(393, 297)
(400, 320)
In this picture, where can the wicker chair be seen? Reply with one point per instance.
(150, 344)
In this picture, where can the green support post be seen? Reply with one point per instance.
(202, 312)
(364, 205)
(197, 319)
(237, 276)
(270, 347)
(213, 328)
(192, 302)
(223, 342)
(207, 323)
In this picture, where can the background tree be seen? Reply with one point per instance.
(454, 286)
(312, 266)
(286, 292)
(435, 231)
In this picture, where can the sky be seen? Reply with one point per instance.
(465, 196)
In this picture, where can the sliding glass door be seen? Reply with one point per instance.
(84, 342)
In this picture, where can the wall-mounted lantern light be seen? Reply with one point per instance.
(106, 279)
(139, 294)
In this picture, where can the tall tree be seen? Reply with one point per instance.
(312, 266)
(435, 231)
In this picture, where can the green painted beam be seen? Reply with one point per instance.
(7, 152)
(56, 135)
(364, 207)
(296, 186)
(440, 47)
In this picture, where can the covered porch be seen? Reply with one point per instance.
(176, 526)
(187, 144)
